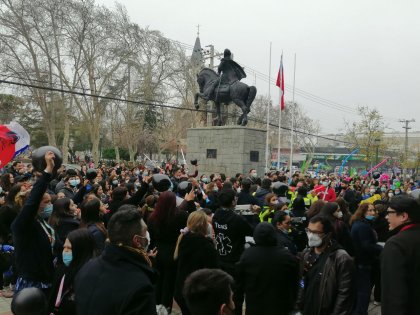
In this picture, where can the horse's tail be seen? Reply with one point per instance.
(251, 96)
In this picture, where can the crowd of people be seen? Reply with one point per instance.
(146, 239)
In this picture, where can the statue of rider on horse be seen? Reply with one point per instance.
(225, 87)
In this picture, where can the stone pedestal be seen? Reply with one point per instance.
(227, 149)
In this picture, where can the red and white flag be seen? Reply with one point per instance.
(14, 140)
(280, 83)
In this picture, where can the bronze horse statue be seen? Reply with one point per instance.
(214, 88)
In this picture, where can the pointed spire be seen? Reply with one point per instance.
(197, 54)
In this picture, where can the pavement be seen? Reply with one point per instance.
(5, 308)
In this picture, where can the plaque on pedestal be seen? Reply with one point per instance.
(227, 149)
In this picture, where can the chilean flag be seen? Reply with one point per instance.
(280, 83)
(14, 140)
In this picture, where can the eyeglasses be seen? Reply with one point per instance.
(388, 212)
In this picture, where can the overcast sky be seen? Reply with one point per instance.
(349, 53)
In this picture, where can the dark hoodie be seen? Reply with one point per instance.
(265, 235)
(260, 194)
(268, 275)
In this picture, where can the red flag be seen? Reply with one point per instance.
(280, 83)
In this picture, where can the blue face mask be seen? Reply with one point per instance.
(67, 258)
(46, 213)
(370, 217)
(74, 182)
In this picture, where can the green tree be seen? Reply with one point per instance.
(10, 107)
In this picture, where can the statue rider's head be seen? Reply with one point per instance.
(227, 53)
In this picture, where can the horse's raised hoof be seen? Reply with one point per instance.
(244, 122)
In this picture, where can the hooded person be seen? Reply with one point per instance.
(263, 190)
(268, 275)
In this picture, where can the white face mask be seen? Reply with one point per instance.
(314, 240)
(390, 195)
(372, 191)
(325, 184)
(254, 175)
(338, 214)
(145, 246)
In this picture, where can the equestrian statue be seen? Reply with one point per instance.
(225, 87)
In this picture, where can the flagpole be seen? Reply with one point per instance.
(293, 118)
(268, 115)
(280, 110)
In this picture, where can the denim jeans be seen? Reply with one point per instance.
(363, 289)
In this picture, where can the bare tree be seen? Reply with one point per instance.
(367, 133)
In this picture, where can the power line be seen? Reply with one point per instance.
(307, 95)
(145, 103)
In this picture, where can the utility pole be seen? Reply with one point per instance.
(210, 54)
(406, 127)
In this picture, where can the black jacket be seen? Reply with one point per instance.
(364, 240)
(400, 272)
(285, 241)
(260, 195)
(245, 198)
(269, 277)
(67, 304)
(335, 294)
(230, 230)
(194, 252)
(98, 236)
(8, 214)
(381, 226)
(118, 282)
(33, 252)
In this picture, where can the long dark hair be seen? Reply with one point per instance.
(165, 208)
(14, 190)
(61, 209)
(315, 208)
(360, 212)
(328, 209)
(90, 214)
(344, 207)
(82, 247)
(5, 182)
